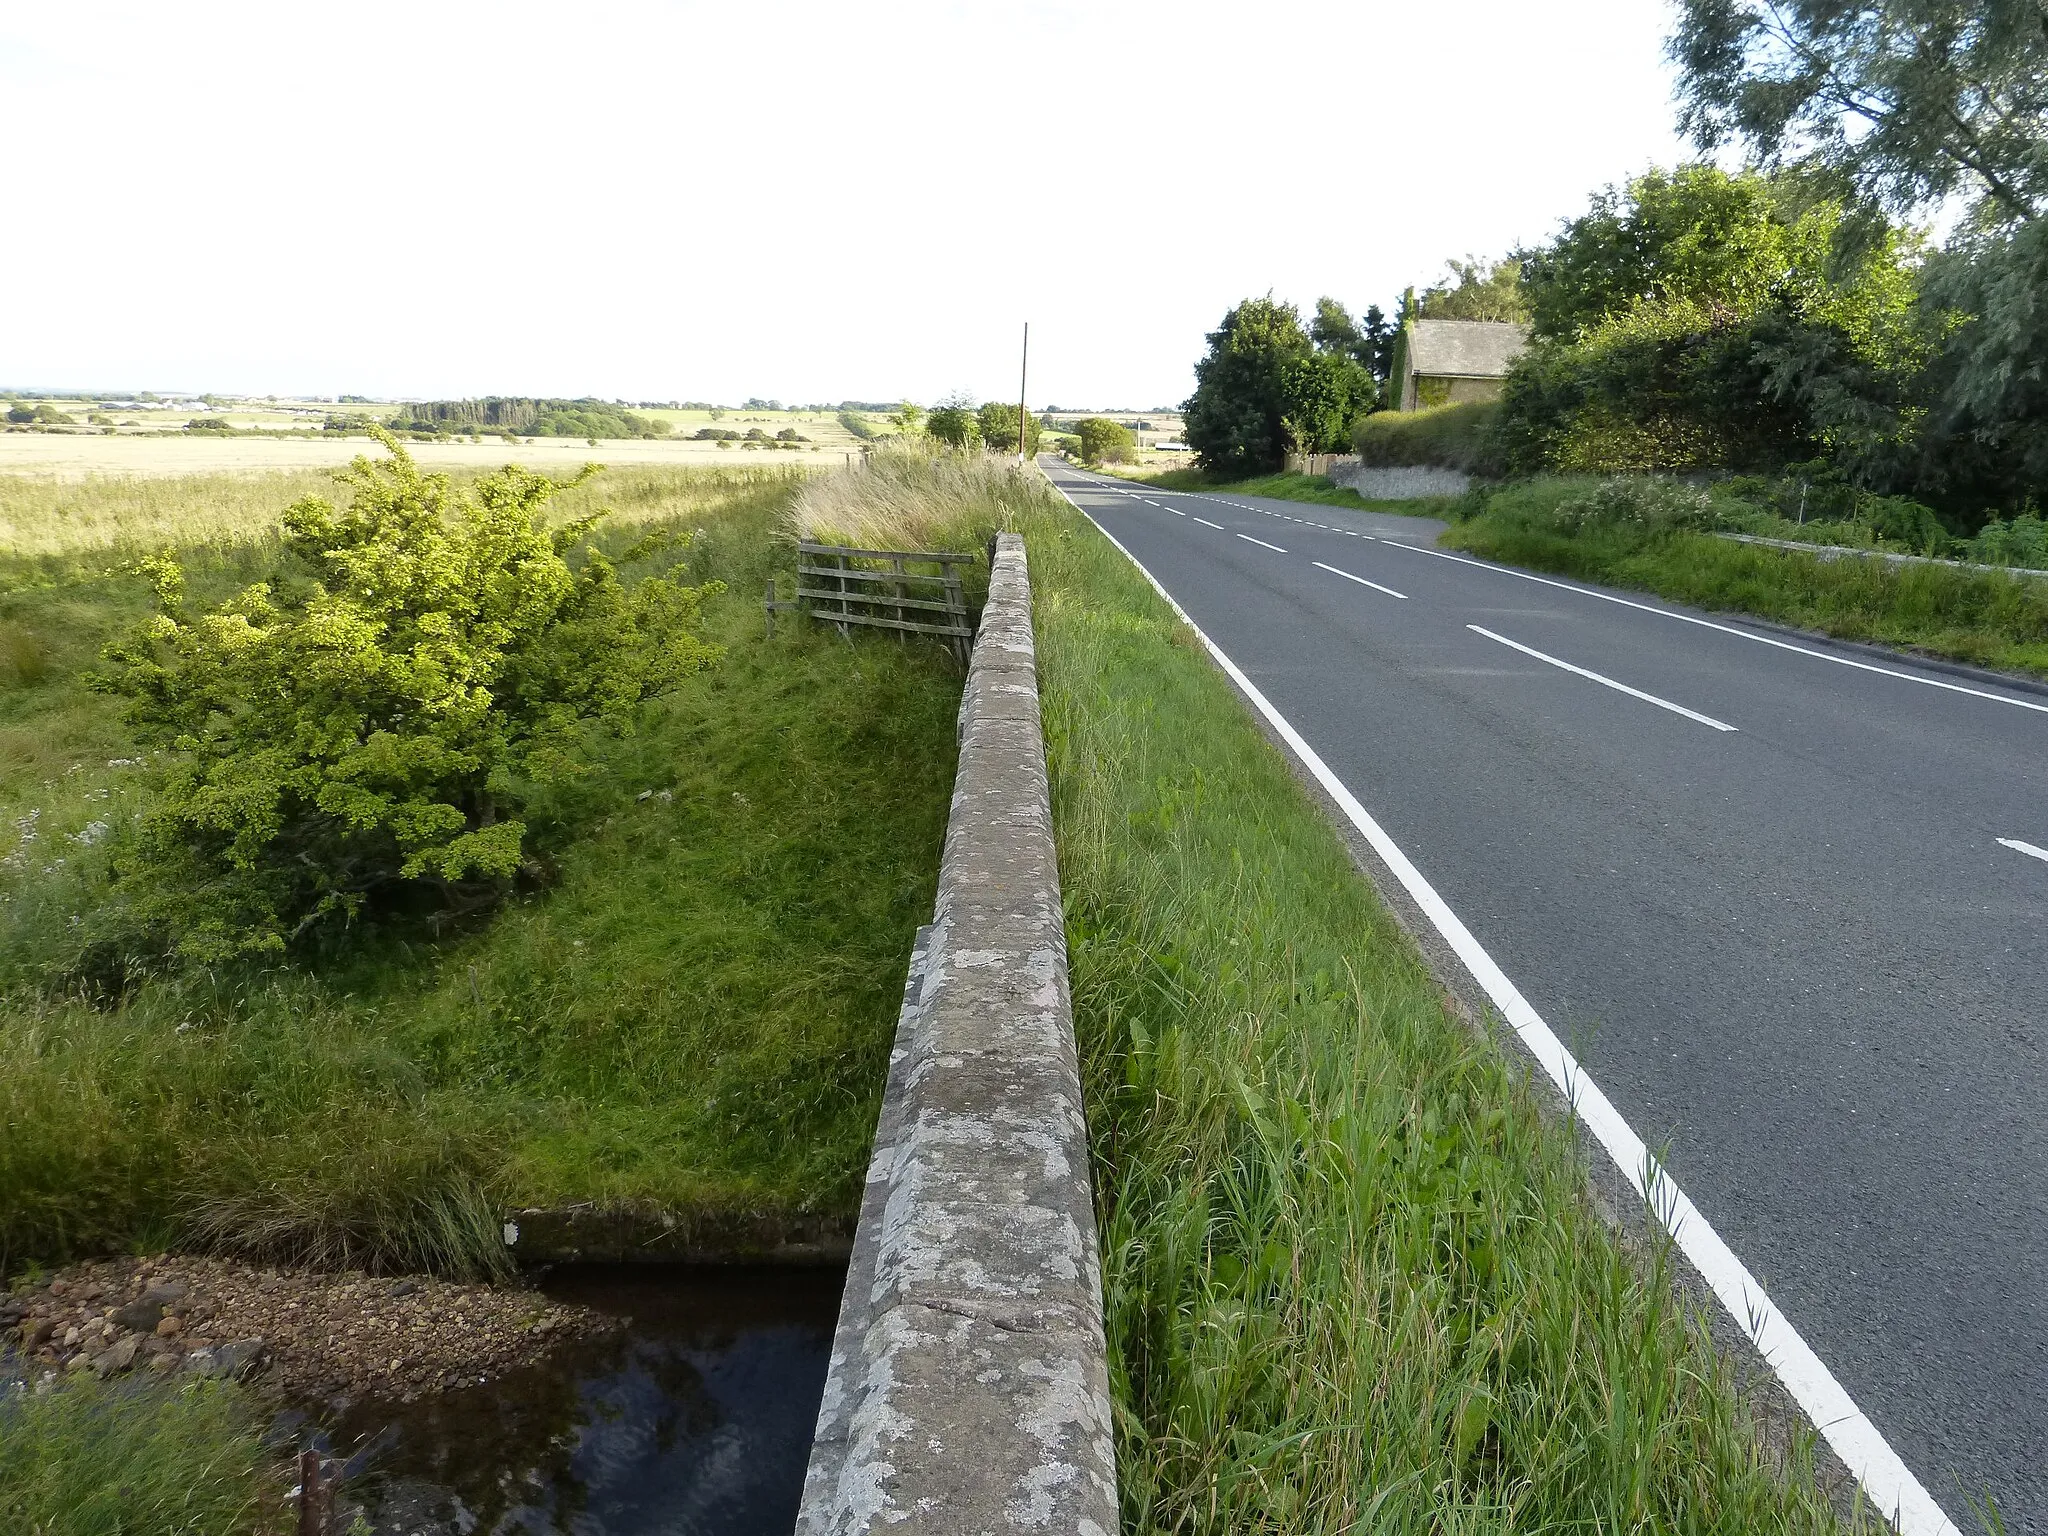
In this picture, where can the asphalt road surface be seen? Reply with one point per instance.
(1761, 894)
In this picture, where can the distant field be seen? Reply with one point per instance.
(150, 439)
(68, 457)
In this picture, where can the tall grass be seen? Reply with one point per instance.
(692, 1012)
(1986, 617)
(137, 1459)
(906, 500)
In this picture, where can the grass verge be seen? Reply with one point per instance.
(1353, 1279)
(1987, 618)
(693, 1015)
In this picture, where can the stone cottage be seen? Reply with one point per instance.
(1447, 362)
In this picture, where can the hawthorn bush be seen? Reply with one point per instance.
(370, 724)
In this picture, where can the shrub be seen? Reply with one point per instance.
(208, 424)
(1447, 437)
(954, 423)
(370, 724)
(2022, 541)
(1645, 505)
(1103, 441)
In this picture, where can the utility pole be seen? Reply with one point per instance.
(1023, 373)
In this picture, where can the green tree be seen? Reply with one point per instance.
(1474, 291)
(370, 724)
(1696, 234)
(1906, 102)
(1699, 320)
(1263, 388)
(908, 417)
(1103, 441)
(999, 428)
(953, 422)
(1369, 342)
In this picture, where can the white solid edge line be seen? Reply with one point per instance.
(1262, 544)
(1603, 680)
(1886, 1479)
(2019, 847)
(1207, 524)
(1359, 579)
(1726, 629)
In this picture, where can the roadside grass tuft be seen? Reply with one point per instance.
(1987, 618)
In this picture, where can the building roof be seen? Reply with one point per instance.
(1464, 349)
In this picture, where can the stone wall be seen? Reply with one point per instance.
(968, 1391)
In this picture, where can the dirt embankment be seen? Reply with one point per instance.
(329, 1336)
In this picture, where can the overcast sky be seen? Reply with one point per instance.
(811, 201)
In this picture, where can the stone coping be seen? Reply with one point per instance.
(968, 1390)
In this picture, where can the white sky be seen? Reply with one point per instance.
(810, 201)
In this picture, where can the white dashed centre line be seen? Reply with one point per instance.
(1359, 579)
(1602, 680)
(1262, 544)
(1207, 524)
(2027, 848)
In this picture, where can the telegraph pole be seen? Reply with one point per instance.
(1023, 373)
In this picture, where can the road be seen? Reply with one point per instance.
(1791, 914)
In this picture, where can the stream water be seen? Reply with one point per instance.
(696, 1420)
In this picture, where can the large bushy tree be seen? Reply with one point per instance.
(1906, 102)
(998, 422)
(1264, 388)
(1698, 319)
(953, 422)
(1903, 105)
(1472, 290)
(1368, 340)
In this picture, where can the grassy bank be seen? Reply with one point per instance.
(692, 1012)
(1352, 1277)
(1987, 618)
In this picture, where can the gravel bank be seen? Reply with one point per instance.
(328, 1336)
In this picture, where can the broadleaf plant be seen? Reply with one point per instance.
(370, 725)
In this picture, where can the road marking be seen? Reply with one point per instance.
(2027, 848)
(1207, 524)
(1603, 680)
(1885, 1477)
(1359, 579)
(1726, 629)
(1262, 544)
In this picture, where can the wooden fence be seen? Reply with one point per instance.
(881, 592)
